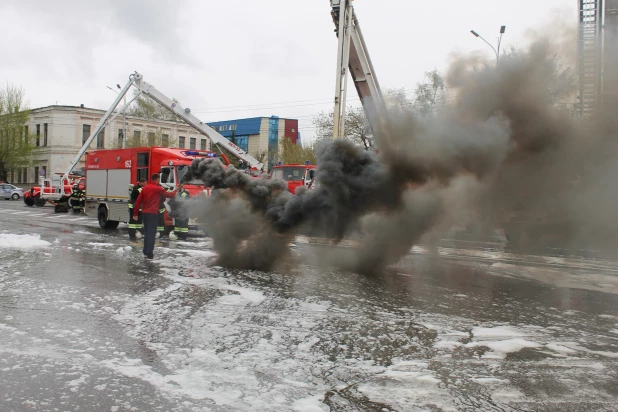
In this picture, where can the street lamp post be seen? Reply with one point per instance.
(497, 52)
(124, 116)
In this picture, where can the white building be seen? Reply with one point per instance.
(61, 131)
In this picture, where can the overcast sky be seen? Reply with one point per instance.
(244, 58)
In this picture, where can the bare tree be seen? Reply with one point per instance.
(357, 127)
(147, 138)
(430, 93)
(16, 142)
(146, 108)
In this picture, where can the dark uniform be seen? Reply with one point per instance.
(135, 225)
(181, 214)
(161, 219)
(82, 198)
(76, 199)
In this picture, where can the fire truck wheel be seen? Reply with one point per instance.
(29, 201)
(39, 202)
(104, 223)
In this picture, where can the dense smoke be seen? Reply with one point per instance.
(503, 149)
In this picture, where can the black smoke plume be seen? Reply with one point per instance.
(503, 155)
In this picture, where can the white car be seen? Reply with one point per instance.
(11, 192)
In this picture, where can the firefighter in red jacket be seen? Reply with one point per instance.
(149, 200)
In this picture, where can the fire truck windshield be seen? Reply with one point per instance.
(181, 171)
(289, 173)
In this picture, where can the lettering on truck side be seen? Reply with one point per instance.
(93, 166)
(238, 149)
(127, 164)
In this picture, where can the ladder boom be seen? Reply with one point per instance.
(185, 114)
(353, 57)
(136, 80)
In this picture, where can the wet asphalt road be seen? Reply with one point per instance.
(87, 324)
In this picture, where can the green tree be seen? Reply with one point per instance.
(16, 143)
(296, 154)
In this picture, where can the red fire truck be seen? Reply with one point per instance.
(295, 175)
(36, 195)
(110, 173)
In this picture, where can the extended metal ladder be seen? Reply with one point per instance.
(589, 55)
(353, 56)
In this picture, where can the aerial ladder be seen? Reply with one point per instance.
(353, 58)
(136, 80)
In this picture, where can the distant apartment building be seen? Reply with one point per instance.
(260, 135)
(61, 131)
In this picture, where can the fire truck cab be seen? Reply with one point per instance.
(110, 173)
(295, 175)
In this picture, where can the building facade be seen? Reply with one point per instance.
(61, 131)
(261, 137)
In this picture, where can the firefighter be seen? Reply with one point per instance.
(150, 198)
(181, 213)
(161, 218)
(75, 199)
(135, 225)
(82, 197)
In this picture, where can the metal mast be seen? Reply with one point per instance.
(589, 55)
(353, 58)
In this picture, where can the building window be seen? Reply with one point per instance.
(120, 137)
(36, 173)
(142, 159)
(242, 142)
(151, 139)
(85, 133)
(165, 140)
(232, 127)
(215, 128)
(44, 134)
(26, 134)
(222, 128)
(44, 171)
(203, 144)
(25, 173)
(38, 134)
(181, 142)
(192, 143)
(101, 139)
(137, 138)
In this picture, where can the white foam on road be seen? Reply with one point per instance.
(500, 331)
(23, 242)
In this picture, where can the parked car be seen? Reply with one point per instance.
(11, 192)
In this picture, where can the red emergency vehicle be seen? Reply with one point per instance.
(111, 175)
(33, 196)
(295, 175)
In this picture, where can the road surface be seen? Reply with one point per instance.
(87, 324)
